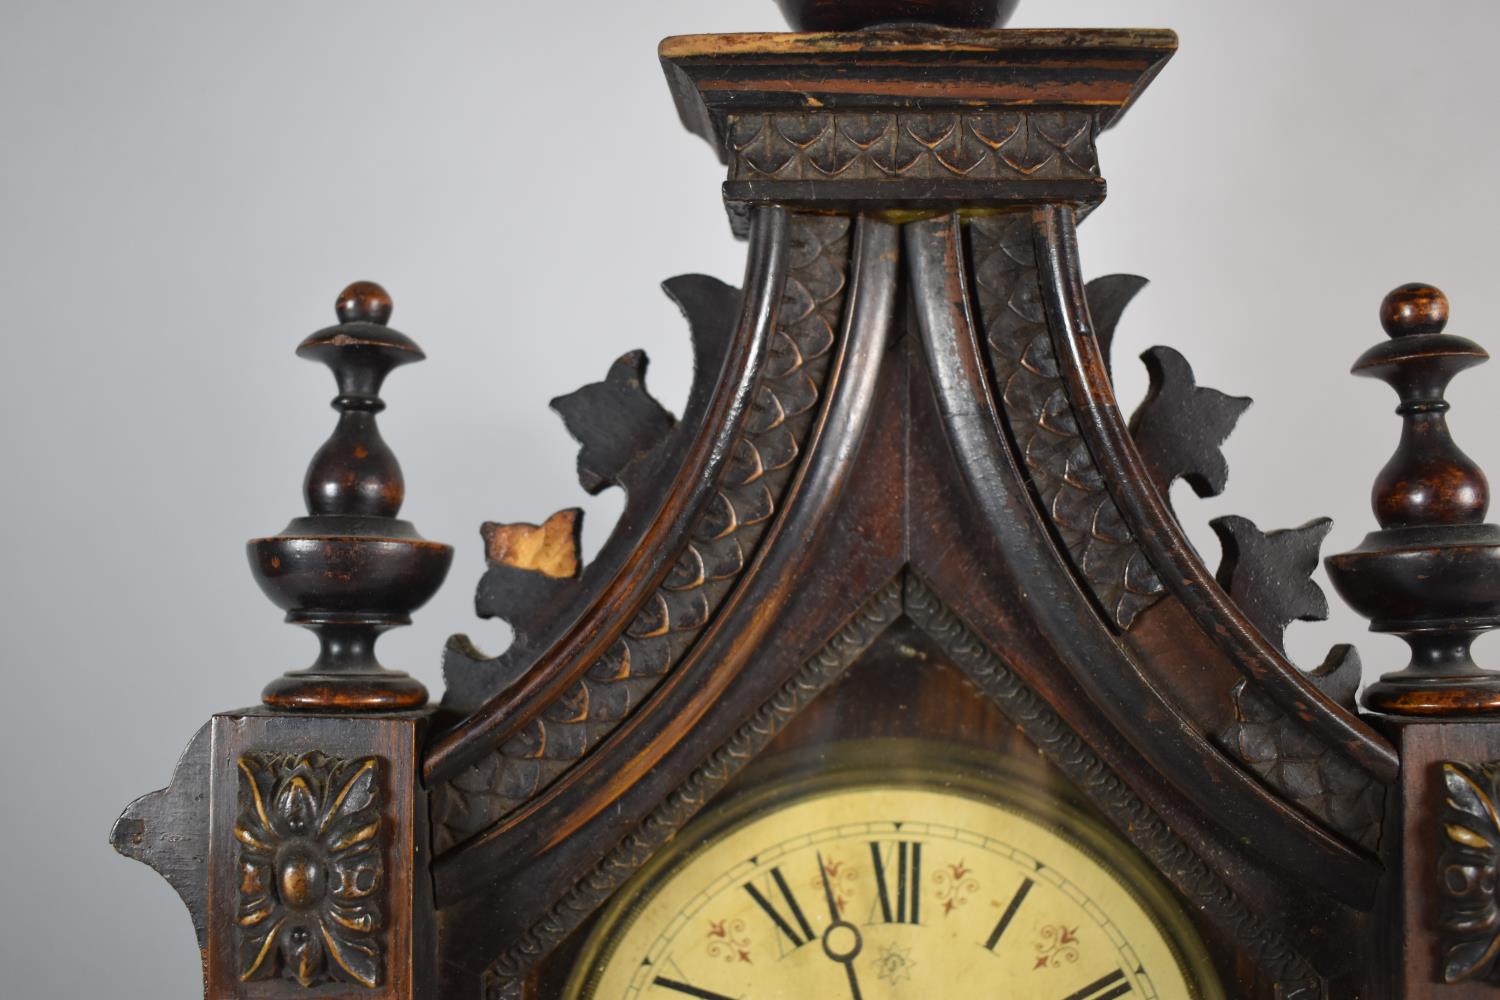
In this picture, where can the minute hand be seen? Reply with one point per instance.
(841, 939)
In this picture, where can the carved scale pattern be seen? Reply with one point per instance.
(1316, 777)
(908, 594)
(1066, 482)
(980, 145)
(720, 545)
(504, 979)
(1295, 978)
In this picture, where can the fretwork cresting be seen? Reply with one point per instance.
(900, 506)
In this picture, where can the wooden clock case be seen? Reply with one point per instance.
(900, 502)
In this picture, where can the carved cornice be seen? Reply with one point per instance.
(911, 117)
(982, 145)
(718, 548)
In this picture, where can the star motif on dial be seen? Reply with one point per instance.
(893, 964)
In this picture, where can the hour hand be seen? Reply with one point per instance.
(841, 940)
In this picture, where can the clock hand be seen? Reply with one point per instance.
(841, 940)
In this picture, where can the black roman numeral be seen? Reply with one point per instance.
(906, 894)
(688, 989)
(1009, 914)
(782, 923)
(1104, 988)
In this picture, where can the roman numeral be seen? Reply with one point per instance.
(906, 893)
(1104, 988)
(1009, 914)
(688, 989)
(782, 923)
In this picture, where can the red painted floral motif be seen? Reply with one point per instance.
(1058, 947)
(842, 878)
(727, 940)
(953, 885)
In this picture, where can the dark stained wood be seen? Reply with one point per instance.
(1180, 426)
(1268, 575)
(909, 119)
(1152, 724)
(842, 15)
(1158, 531)
(168, 830)
(900, 504)
(272, 856)
(588, 790)
(1413, 959)
(1430, 573)
(641, 567)
(1108, 296)
(350, 570)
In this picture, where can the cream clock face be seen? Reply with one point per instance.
(875, 890)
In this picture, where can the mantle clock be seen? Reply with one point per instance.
(897, 676)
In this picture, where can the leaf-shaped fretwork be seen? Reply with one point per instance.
(749, 494)
(1180, 427)
(615, 421)
(1268, 575)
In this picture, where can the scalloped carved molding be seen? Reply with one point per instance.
(1068, 487)
(907, 594)
(504, 979)
(711, 561)
(906, 145)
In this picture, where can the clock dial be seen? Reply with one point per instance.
(896, 886)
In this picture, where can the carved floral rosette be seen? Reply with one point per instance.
(310, 869)
(1469, 854)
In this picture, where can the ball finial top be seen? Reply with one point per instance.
(851, 15)
(364, 302)
(1413, 309)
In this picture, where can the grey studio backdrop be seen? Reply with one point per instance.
(184, 187)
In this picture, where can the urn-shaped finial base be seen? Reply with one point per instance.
(350, 570)
(1431, 573)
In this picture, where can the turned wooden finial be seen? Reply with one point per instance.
(851, 15)
(351, 570)
(1431, 574)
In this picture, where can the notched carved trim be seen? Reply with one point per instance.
(1068, 487)
(1468, 858)
(1150, 834)
(504, 978)
(910, 595)
(309, 869)
(907, 145)
(719, 546)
